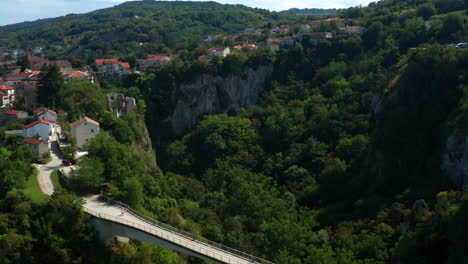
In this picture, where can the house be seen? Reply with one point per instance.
(273, 44)
(287, 42)
(41, 128)
(249, 46)
(315, 37)
(153, 60)
(14, 115)
(36, 63)
(259, 31)
(342, 22)
(74, 74)
(219, 52)
(43, 113)
(21, 80)
(83, 130)
(38, 146)
(7, 94)
(305, 27)
(110, 67)
(244, 39)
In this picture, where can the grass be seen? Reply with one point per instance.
(56, 180)
(33, 191)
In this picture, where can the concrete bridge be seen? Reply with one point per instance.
(113, 219)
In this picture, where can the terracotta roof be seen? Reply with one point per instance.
(47, 122)
(100, 62)
(82, 121)
(41, 110)
(34, 141)
(6, 87)
(13, 112)
(76, 74)
(37, 59)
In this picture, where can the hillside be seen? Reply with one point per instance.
(120, 30)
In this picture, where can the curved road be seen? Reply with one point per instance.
(43, 177)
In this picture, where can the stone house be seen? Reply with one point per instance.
(38, 146)
(43, 113)
(83, 130)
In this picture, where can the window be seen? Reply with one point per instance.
(92, 130)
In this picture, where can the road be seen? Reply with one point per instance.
(43, 177)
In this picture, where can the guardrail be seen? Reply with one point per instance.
(188, 240)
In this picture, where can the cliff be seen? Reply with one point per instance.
(210, 94)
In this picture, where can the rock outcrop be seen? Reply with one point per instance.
(210, 94)
(455, 158)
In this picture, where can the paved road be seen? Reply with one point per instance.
(113, 213)
(43, 177)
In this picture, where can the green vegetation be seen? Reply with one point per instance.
(33, 191)
(339, 162)
(55, 177)
(44, 158)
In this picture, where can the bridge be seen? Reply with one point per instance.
(112, 218)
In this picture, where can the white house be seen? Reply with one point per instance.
(7, 94)
(219, 52)
(41, 128)
(43, 113)
(112, 66)
(305, 27)
(83, 130)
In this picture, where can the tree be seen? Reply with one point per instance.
(426, 10)
(132, 192)
(89, 177)
(23, 62)
(374, 35)
(50, 87)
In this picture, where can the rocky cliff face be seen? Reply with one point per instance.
(215, 94)
(455, 158)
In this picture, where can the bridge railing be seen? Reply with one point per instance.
(182, 233)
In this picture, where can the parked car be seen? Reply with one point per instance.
(66, 162)
(462, 45)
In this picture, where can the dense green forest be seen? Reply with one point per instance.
(340, 161)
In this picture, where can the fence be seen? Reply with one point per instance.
(179, 237)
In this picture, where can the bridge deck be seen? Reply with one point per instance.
(113, 212)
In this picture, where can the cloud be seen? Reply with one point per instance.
(15, 11)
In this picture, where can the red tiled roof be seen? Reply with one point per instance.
(37, 59)
(33, 141)
(40, 110)
(82, 121)
(6, 87)
(13, 112)
(100, 62)
(47, 122)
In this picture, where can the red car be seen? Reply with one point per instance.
(66, 162)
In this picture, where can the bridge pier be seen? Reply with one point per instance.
(109, 230)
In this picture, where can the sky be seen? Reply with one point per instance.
(15, 11)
